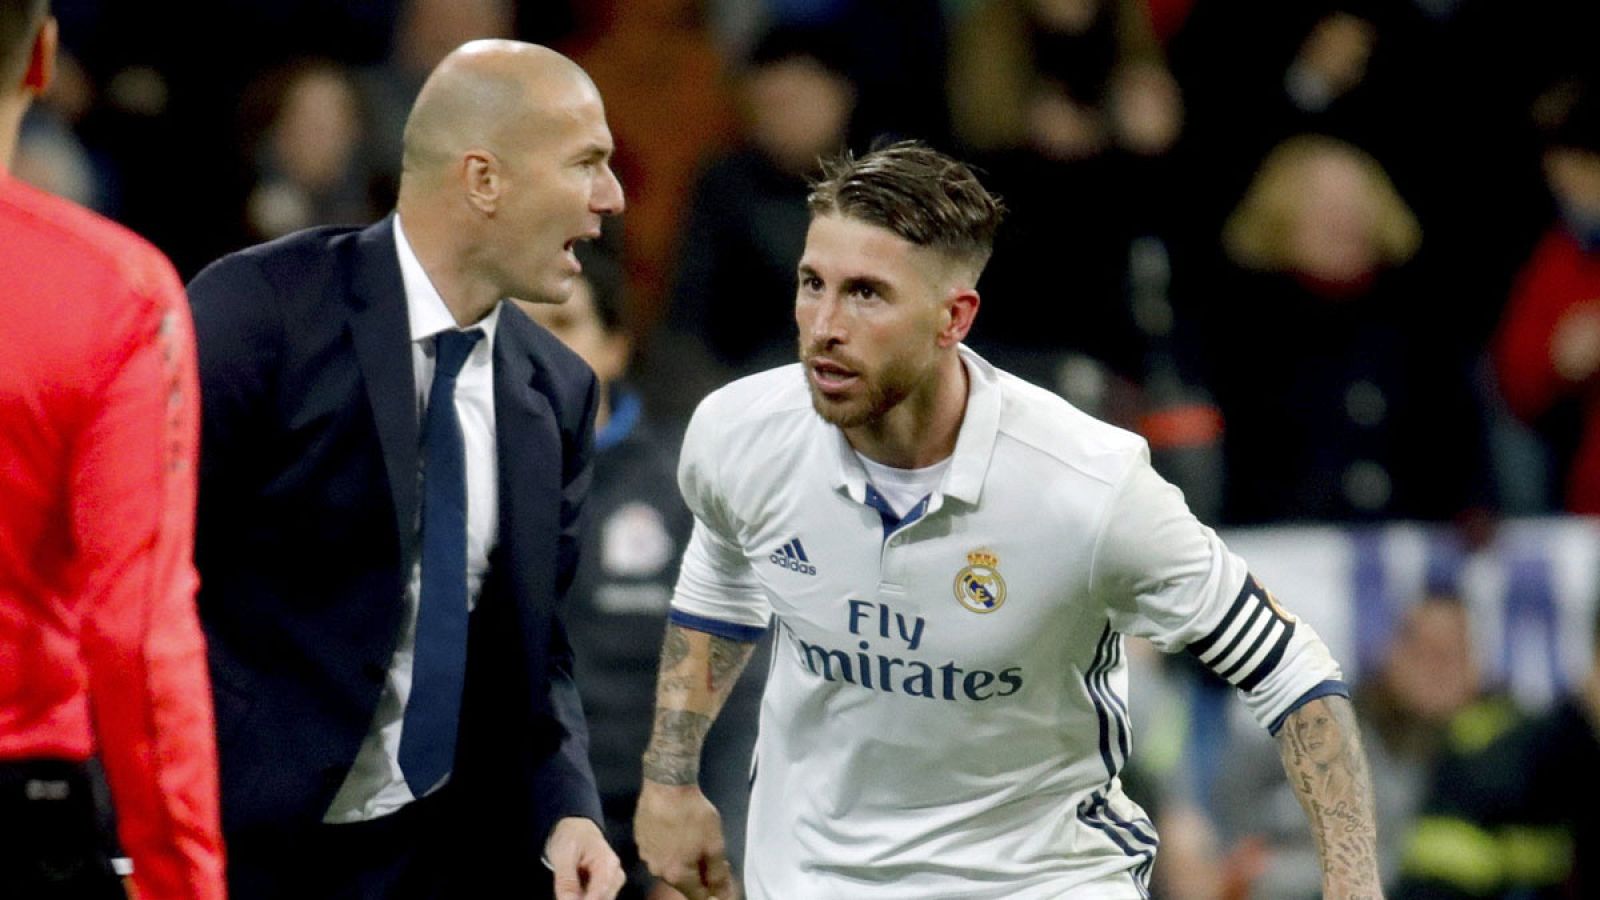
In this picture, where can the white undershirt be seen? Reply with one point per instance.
(375, 785)
(904, 488)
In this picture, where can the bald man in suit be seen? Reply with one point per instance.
(393, 467)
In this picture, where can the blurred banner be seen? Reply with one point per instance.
(1531, 590)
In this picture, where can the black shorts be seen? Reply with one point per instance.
(52, 844)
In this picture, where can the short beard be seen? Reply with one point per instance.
(883, 394)
(878, 402)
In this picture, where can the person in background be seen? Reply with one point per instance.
(307, 151)
(638, 527)
(394, 469)
(747, 222)
(664, 75)
(1335, 403)
(100, 650)
(1506, 815)
(1547, 351)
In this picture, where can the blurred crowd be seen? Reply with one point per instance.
(1337, 260)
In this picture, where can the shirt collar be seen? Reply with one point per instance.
(969, 463)
(425, 309)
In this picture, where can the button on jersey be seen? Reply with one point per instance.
(947, 709)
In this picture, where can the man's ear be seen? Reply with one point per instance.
(960, 308)
(42, 58)
(483, 180)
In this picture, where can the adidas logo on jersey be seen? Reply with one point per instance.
(792, 556)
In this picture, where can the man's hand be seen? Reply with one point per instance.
(679, 834)
(584, 865)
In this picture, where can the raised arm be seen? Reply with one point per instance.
(678, 831)
(1320, 745)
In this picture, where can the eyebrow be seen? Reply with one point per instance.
(594, 153)
(852, 282)
(877, 285)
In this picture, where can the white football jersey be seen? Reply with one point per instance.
(946, 714)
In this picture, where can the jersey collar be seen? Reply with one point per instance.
(974, 442)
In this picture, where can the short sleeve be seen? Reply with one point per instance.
(1165, 576)
(717, 589)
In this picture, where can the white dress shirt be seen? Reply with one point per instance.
(375, 785)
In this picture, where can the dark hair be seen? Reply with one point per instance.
(607, 285)
(916, 192)
(19, 22)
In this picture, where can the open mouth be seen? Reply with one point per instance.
(831, 377)
(570, 248)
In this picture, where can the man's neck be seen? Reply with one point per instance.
(434, 240)
(922, 429)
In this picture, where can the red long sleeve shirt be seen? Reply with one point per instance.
(1559, 280)
(100, 648)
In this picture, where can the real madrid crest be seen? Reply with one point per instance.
(979, 586)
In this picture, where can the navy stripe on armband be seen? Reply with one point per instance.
(1250, 640)
(731, 630)
(1331, 687)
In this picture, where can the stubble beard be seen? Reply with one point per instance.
(882, 393)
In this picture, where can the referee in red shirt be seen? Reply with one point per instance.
(100, 651)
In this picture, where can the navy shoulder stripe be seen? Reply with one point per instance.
(730, 630)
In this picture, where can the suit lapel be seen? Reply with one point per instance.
(382, 334)
(527, 444)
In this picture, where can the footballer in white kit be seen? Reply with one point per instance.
(946, 712)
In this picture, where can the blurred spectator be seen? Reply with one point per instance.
(424, 32)
(1347, 68)
(734, 295)
(1071, 107)
(1507, 816)
(50, 156)
(1336, 405)
(1427, 688)
(1491, 206)
(1067, 78)
(623, 588)
(308, 157)
(1547, 352)
(895, 54)
(662, 75)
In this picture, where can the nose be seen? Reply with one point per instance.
(827, 326)
(608, 200)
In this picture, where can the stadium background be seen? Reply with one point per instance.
(1338, 260)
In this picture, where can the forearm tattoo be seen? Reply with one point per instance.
(673, 756)
(697, 671)
(674, 649)
(1320, 745)
(727, 661)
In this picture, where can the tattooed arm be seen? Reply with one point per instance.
(1321, 750)
(678, 831)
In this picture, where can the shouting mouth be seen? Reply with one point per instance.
(570, 248)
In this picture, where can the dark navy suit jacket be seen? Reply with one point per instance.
(308, 511)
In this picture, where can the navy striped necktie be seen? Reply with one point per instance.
(433, 711)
